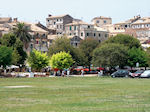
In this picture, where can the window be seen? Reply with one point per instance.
(75, 28)
(60, 26)
(70, 28)
(81, 34)
(31, 46)
(87, 34)
(106, 35)
(94, 35)
(48, 20)
(70, 34)
(99, 35)
(57, 19)
(74, 33)
(76, 44)
(43, 35)
(88, 26)
(51, 41)
(54, 23)
(97, 21)
(105, 21)
(57, 26)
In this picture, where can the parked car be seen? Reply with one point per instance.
(121, 73)
(137, 73)
(145, 74)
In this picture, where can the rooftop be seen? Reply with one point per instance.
(78, 23)
(5, 19)
(101, 17)
(58, 16)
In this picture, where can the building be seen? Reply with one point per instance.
(5, 20)
(121, 27)
(38, 33)
(140, 29)
(58, 23)
(84, 30)
(101, 21)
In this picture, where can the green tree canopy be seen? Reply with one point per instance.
(110, 55)
(5, 56)
(38, 60)
(87, 46)
(137, 55)
(61, 60)
(8, 40)
(63, 44)
(19, 55)
(126, 40)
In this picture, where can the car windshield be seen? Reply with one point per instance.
(139, 71)
(122, 71)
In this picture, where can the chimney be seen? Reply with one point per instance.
(49, 15)
(15, 19)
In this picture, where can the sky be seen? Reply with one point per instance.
(38, 10)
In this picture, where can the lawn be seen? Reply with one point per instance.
(75, 95)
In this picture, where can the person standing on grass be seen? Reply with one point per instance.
(68, 73)
(82, 72)
(63, 73)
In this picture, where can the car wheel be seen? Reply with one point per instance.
(113, 76)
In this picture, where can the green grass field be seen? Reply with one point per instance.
(75, 95)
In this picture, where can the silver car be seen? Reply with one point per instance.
(145, 74)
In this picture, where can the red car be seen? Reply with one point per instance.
(137, 73)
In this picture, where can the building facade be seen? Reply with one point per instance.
(85, 30)
(58, 23)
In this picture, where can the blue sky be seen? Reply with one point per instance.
(38, 10)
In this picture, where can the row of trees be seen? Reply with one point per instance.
(121, 50)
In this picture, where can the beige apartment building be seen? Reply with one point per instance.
(39, 35)
(58, 23)
(140, 29)
(85, 30)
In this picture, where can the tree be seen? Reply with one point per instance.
(110, 55)
(137, 55)
(38, 60)
(19, 55)
(22, 31)
(63, 44)
(8, 40)
(87, 46)
(5, 56)
(15, 57)
(126, 40)
(22, 55)
(148, 54)
(61, 60)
